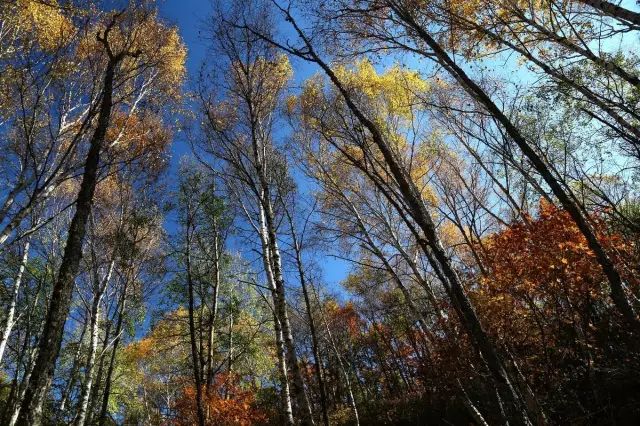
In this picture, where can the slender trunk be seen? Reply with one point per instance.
(229, 355)
(107, 385)
(280, 349)
(90, 364)
(31, 353)
(280, 303)
(343, 370)
(13, 399)
(615, 280)
(259, 144)
(23, 388)
(9, 321)
(471, 407)
(195, 357)
(614, 10)
(302, 403)
(97, 383)
(60, 302)
(418, 314)
(312, 327)
(74, 371)
(87, 384)
(214, 303)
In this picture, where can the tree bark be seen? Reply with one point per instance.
(615, 280)
(195, 357)
(9, 321)
(312, 327)
(51, 338)
(214, 303)
(280, 304)
(613, 10)
(280, 349)
(302, 403)
(107, 386)
(87, 383)
(90, 364)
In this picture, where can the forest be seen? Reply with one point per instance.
(319, 212)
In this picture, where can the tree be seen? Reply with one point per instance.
(120, 53)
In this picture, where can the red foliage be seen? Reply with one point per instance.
(544, 293)
(225, 404)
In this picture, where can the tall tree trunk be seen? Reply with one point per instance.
(73, 375)
(12, 401)
(229, 354)
(60, 302)
(102, 418)
(341, 366)
(615, 280)
(87, 384)
(9, 321)
(312, 326)
(259, 146)
(90, 364)
(94, 400)
(614, 10)
(214, 303)
(302, 402)
(418, 314)
(195, 356)
(23, 388)
(287, 408)
(32, 353)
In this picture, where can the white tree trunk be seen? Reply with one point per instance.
(343, 370)
(93, 345)
(282, 363)
(23, 388)
(9, 322)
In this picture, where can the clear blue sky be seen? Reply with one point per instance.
(190, 17)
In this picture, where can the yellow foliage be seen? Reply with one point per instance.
(396, 90)
(390, 99)
(264, 79)
(50, 28)
(149, 42)
(138, 137)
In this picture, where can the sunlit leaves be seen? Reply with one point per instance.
(44, 20)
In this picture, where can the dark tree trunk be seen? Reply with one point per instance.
(51, 338)
(195, 355)
(312, 326)
(615, 280)
(613, 10)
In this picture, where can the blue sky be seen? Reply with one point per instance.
(190, 17)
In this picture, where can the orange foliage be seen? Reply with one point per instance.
(543, 278)
(133, 136)
(345, 318)
(225, 404)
